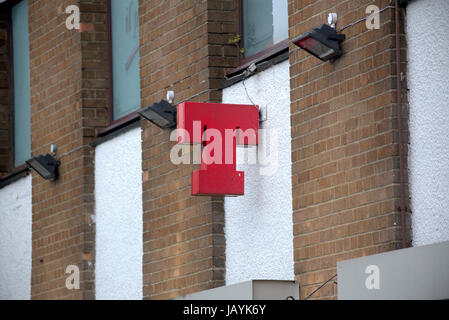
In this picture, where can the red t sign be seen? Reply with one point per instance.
(219, 128)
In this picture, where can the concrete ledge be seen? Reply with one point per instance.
(250, 290)
(412, 273)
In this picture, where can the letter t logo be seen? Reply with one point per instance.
(219, 128)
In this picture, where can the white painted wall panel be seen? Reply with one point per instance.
(15, 240)
(118, 216)
(428, 70)
(259, 230)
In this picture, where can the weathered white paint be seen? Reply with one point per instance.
(428, 81)
(15, 240)
(259, 229)
(118, 217)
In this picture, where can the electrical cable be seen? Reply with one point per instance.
(246, 90)
(246, 73)
(365, 18)
(71, 151)
(200, 93)
(320, 287)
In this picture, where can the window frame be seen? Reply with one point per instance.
(114, 124)
(243, 63)
(12, 169)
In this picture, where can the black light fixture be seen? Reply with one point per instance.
(162, 114)
(45, 165)
(323, 42)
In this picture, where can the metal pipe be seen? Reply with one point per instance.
(403, 206)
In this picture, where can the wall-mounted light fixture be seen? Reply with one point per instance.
(45, 165)
(322, 42)
(162, 114)
(403, 3)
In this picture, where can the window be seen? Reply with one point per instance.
(21, 83)
(264, 24)
(124, 29)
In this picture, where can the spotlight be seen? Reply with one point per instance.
(162, 114)
(322, 42)
(45, 165)
(403, 3)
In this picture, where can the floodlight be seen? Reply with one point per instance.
(322, 42)
(45, 165)
(162, 114)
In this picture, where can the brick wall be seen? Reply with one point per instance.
(344, 144)
(4, 107)
(68, 106)
(184, 47)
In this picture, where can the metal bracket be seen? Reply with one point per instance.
(263, 113)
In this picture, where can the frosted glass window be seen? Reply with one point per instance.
(21, 76)
(125, 57)
(265, 23)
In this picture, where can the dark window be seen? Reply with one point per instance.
(264, 24)
(125, 66)
(20, 83)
